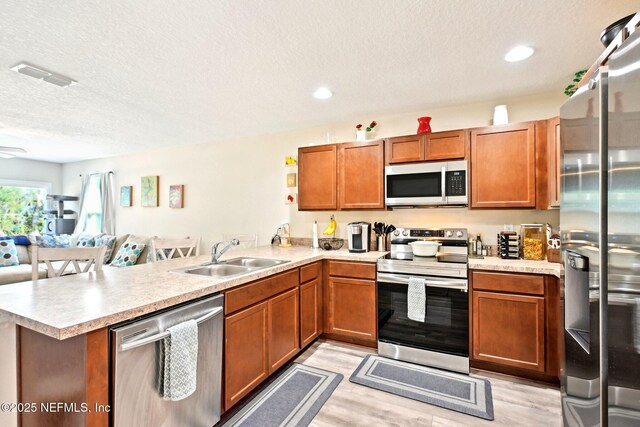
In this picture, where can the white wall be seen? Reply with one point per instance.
(239, 185)
(32, 170)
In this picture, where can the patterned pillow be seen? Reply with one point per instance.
(18, 240)
(8, 253)
(109, 242)
(52, 241)
(127, 254)
(86, 242)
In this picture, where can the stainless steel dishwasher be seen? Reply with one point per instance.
(135, 364)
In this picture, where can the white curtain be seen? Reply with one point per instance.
(82, 214)
(107, 202)
(107, 197)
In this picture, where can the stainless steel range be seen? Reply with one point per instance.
(442, 339)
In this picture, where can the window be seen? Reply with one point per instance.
(93, 206)
(21, 206)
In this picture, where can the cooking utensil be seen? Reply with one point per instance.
(424, 248)
(378, 228)
(554, 243)
(389, 229)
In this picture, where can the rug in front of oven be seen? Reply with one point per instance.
(449, 390)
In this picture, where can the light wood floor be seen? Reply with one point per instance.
(515, 402)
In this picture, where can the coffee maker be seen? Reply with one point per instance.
(359, 236)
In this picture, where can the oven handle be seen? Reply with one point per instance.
(404, 280)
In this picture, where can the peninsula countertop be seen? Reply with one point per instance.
(67, 306)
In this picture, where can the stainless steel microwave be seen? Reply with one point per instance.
(427, 184)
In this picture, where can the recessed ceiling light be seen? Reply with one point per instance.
(41, 74)
(518, 53)
(322, 93)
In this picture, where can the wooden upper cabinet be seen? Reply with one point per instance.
(318, 180)
(361, 183)
(404, 149)
(503, 166)
(445, 145)
(554, 161)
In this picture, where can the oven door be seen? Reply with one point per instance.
(446, 325)
(415, 185)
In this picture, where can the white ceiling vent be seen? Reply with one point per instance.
(41, 74)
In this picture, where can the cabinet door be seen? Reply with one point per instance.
(509, 329)
(284, 339)
(309, 312)
(352, 308)
(553, 153)
(362, 175)
(445, 145)
(403, 149)
(503, 166)
(246, 351)
(318, 180)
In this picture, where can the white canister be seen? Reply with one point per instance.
(361, 135)
(500, 115)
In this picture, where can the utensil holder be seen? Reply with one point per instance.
(553, 255)
(382, 243)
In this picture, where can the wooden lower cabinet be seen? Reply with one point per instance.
(351, 308)
(246, 352)
(509, 329)
(310, 312)
(516, 324)
(284, 339)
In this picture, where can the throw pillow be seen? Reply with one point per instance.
(86, 242)
(8, 253)
(144, 240)
(128, 254)
(18, 240)
(109, 242)
(52, 241)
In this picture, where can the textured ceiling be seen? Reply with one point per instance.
(155, 73)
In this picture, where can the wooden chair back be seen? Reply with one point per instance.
(70, 256)
(163, 249)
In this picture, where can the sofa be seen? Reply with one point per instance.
(22, 271)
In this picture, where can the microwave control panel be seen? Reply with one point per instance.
(456, 183)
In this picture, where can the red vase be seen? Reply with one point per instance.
(424, 125)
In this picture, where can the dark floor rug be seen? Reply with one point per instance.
(449, 390)
(292, 399)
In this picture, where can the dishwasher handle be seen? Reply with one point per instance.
(165, 334)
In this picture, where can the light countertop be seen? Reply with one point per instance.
(72, 305)
(516, 266)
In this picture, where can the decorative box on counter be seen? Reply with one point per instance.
(508, 245)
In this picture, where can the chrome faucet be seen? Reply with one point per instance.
(215, 255)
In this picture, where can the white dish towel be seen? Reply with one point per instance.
(416, 299)
(179, 361)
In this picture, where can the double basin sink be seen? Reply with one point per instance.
(232, 267)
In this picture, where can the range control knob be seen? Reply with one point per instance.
(396, 233)
(458, 233)
(405, 233)
(449, 233)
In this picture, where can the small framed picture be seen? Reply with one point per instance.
(149, 191)
(292, 199)
(291, 161)
(176, 196)
(292, 180)
(126, 196)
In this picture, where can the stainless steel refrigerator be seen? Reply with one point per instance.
(600, 208)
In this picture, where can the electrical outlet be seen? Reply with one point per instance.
(508, 227)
